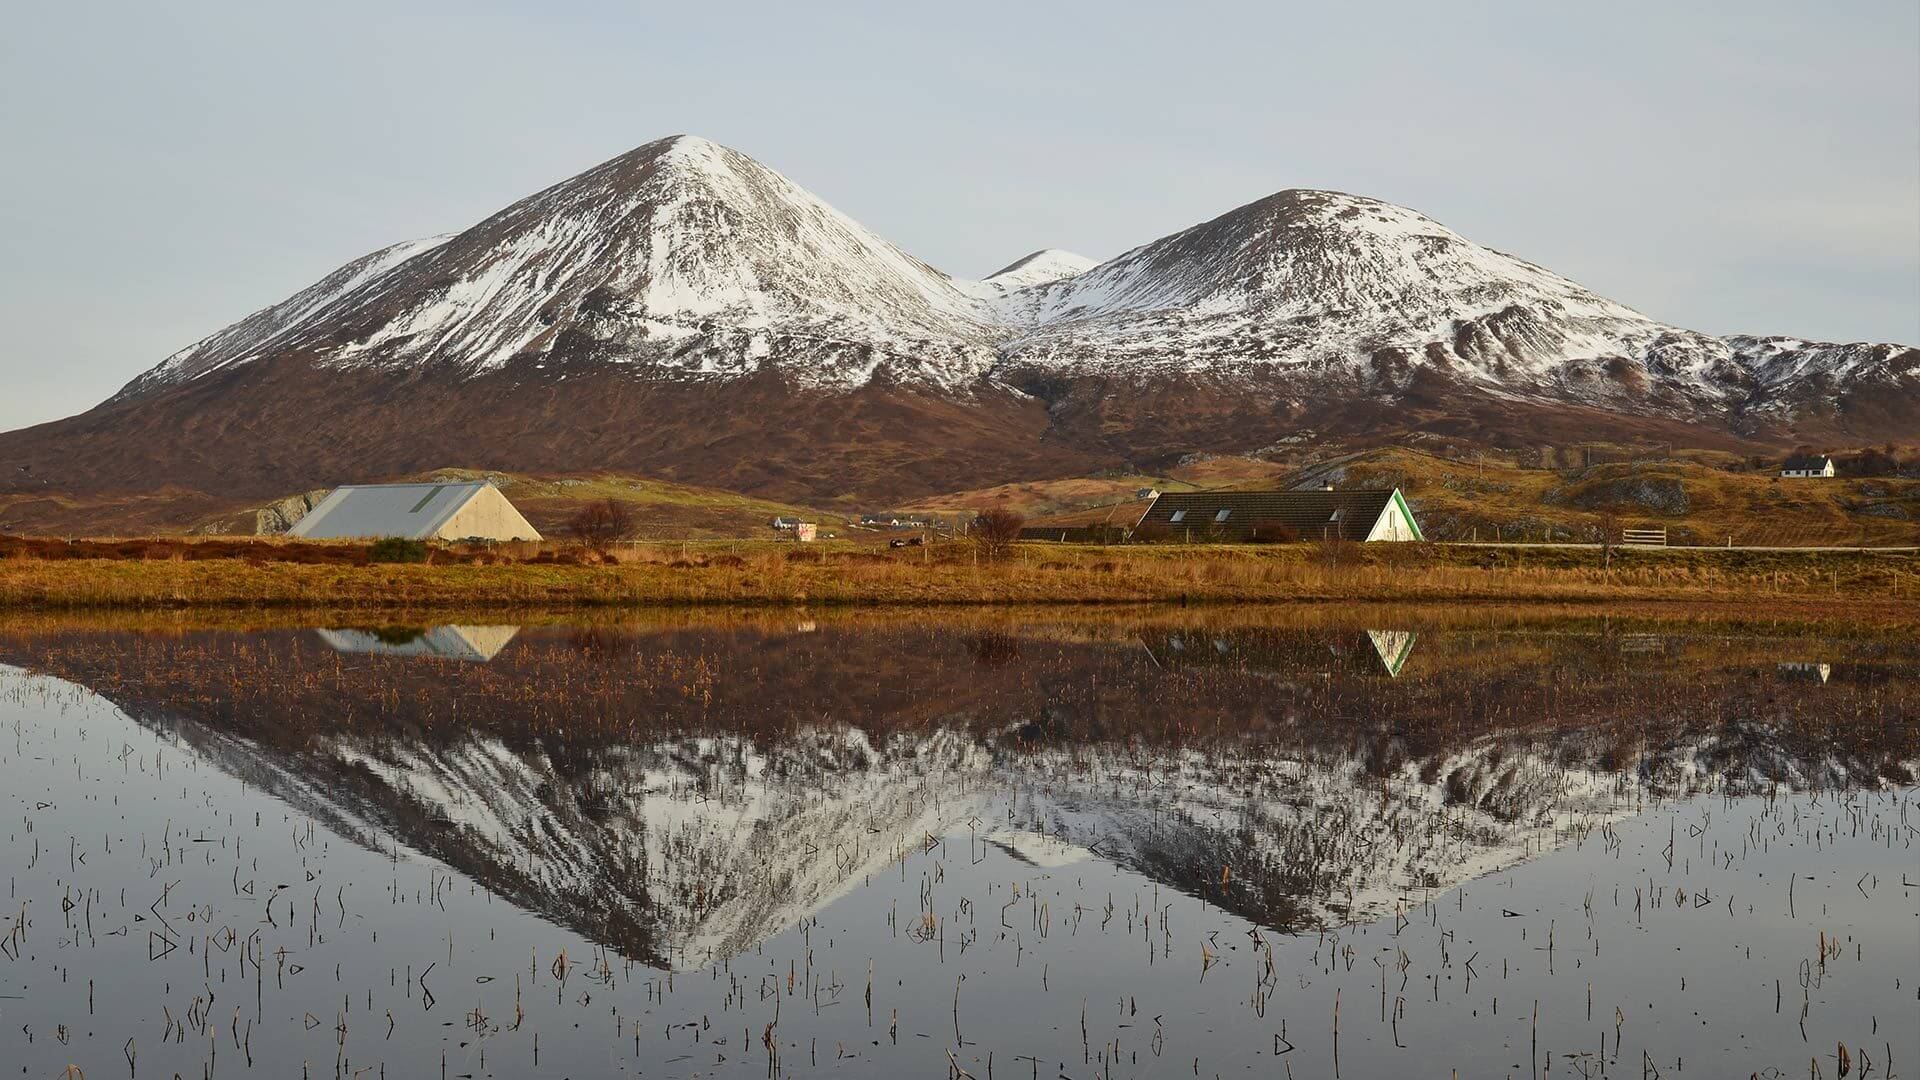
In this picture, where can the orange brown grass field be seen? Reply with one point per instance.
(175, 573)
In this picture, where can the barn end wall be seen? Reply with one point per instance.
(490, 516)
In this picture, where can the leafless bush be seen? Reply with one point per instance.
(1338, 553)
(994, 532)
(598, 525)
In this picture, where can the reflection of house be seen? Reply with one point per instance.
(1393, 646)
(1358, 514)
(463, 511)
(1810, 672)
(1807, 465)
(476, 643)
(1282, 652)
(1642, 644)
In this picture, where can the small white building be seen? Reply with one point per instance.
(473, 510)
(1804, 465)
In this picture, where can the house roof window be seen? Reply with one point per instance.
(1178, 516)
(1221, 516)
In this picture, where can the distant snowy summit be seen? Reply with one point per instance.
(684, 311)
(683, 258)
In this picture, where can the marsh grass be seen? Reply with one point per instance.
(153, 574)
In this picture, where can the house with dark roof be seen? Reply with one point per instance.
(1358, 514)
(1801, 465)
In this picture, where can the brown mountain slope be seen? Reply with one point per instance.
(276, 427)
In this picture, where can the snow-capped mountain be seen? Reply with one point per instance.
(688, 259)
(666, 310)
(682, 256)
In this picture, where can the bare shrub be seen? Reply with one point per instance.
(994, 532)
(599, 525)
(1404, 553)
(1339, 553)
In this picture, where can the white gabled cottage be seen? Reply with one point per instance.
(1801, 465)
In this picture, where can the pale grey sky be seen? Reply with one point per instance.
(167, 168)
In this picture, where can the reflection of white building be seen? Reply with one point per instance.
(476, 643)
(1394, 646)
(1806, 670)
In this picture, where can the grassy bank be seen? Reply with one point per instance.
(773, 573)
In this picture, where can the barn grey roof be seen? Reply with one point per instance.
(412, 511)
(1265, 515)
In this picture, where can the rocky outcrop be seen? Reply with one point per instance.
(276, 519)
(1656, 494)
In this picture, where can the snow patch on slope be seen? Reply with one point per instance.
(278, 325)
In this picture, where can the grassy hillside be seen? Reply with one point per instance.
(1693, 494)
(1088, 499)
(1697, 502)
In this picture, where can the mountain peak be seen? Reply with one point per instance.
(1043, 266)
(1046, 258)
(683, 270)
(700, 153)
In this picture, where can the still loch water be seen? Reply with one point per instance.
(1156, 843)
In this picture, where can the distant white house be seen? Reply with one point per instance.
(1801, 465)
(472, 510)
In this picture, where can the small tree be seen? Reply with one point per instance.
(994, 532)
(1609, 525)
(598, 525)
(1609, 532)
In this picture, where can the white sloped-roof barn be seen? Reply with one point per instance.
(473, 510)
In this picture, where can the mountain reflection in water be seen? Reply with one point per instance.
(682, 792)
